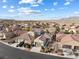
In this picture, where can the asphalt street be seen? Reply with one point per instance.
(7, 52)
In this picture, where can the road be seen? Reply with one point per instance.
(7, 52)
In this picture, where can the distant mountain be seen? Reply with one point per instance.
(74, 18)
(6, 19)
(71, 18)
(68, 20)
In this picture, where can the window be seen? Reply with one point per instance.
(76, 47)
(67, 46)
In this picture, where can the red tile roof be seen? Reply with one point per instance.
(68, 40)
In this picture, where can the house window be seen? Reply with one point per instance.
(76, 47)
(67, 46)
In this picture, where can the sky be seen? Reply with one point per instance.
(38, 9)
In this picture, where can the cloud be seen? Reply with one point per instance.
(55, 3)
(76, 12)
(28, 11)
(4, 0)
(11, 10)
(4, 6)
(67, 3)
(11, 6)
(46, 9)
(26, 1)
(33, 3)
(52, 9)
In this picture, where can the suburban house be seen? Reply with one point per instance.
(2, 35)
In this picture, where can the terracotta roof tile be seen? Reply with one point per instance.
(68, 40)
